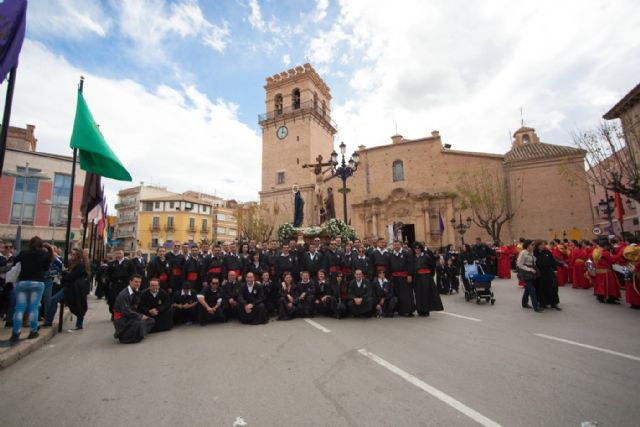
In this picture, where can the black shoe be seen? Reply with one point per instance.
(33, 334)
(538, 310)
(555, 307)
(526, 306)
(15, 338)
(613, 301)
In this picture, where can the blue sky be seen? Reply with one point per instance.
(177, 85)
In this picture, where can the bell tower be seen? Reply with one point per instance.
(296, 127)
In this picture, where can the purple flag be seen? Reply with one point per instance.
(440, 222)
(13, 21)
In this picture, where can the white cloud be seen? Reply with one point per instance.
(466, 71)
(176, 137)
(68, 18)
(320, 11)
(149, 24)
(255, 18)
(286, 59)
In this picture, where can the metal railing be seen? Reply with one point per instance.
(305, 107)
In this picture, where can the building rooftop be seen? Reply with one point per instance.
(41, 154)
(540, 151)
(628, 101)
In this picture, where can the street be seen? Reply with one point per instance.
(471, 365)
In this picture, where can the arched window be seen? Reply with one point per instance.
(279, 104)
(315, 101)
(324, 108)
(295, 98)
(525, 139)
(398, 171)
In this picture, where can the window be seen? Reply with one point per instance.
(280, 178)
(232, 232)
(192, 223)
(24, 197)
(172, 205)
(295, 99)
(147, 206)
(157, 205)
(170, 224)
(204, 226)
(279, 104)
(315, 101)
(398, 171)
(60, 199)
(221, 230)
(156, 222)
(525, 139)
(154, 242)
(221, 217)
(205, 209)
(324, 108)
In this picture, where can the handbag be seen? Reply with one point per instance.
(527, 276)
(13, 274)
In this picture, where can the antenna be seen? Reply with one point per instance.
(509, 136)
(521, 117)
(396, 125)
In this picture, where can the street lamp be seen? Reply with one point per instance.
(344, 170)
(460, 226)
(607, 208)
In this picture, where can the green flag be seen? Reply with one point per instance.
(95, 154)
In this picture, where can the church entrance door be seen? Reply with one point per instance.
(409, 233)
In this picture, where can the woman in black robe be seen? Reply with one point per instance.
(426, 293)
(546, 284)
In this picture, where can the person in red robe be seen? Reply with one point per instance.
(561, 254)
(607, 288)
(504, 262)
(631, 255)
(579, 256)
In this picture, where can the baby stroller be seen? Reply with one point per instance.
(479, 284)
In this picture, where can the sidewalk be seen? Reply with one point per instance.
(10, 355)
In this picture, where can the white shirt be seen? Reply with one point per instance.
(250, 287)
(359, 283)
(130, 290)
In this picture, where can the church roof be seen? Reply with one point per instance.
(540, 151)
(628, 101)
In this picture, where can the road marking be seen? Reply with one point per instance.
(317, 325)
(473, 319)
(455, 404)
(591, 347)
(239, 422)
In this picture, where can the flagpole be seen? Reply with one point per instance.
(67, 237)
(6, 117)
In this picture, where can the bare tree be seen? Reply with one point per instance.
(492, 198)
(256, 222)
(612, 164)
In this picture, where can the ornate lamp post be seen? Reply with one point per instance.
(344, 170)
(460, 226)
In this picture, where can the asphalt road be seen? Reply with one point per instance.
(486, 368)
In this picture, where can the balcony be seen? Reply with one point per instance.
(123, 219)
(307, 107)
(169, 227)
(126, 203)
(154, 227)
(192, 229)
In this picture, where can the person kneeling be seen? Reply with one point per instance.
(156, 303)
(211, 309)
(251, 300)
(131, 326)
(360, 299)
(185, 310)
(289, 299)
(385, 299)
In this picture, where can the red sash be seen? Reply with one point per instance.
(424, 271)
(176, 271)
(399, 274)
(117, 315)
(163, 277)
(192, 275)
(333, 269)
(215, 270)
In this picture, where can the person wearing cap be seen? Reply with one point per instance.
(401, 272)
(211, 304)
(251, 301)
(426, 294)
(185, 310)
(156, 303)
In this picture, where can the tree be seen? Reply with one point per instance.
(256, 222)
(493, 200)
(612, 164)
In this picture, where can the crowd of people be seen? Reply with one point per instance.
(201, 284)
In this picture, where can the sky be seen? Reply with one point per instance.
(177, 86)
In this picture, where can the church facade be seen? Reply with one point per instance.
(412, 181)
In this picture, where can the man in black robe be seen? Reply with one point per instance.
(156, 303)
(185, 310)
(379, 258)
(312, 261)
(400, 269)
(119, 272)
(233, 262)
(176, 265)
(251, 300)
(213, 266)
(307, 298)
(286, 264)
(131, 326)
(326, 301)
(230, 293)
(159, 267)
(193, 268)
(333, 260)
(361, 262)
(426, 293)
(140, 268)
(385, 300)
(271, 291)
(360, 300)
(211, 307)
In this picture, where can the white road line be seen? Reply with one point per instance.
(455, 404)
(473, 319)
(317, 325)
(590, 347)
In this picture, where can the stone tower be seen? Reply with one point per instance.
(296, 128)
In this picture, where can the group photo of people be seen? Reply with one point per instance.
(255, 283)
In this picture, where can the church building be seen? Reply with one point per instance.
(412, 181)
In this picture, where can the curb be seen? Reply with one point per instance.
(26, 347)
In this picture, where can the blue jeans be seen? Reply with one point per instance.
(530, 292)
(46, 297)
(11, 308)
(53, 306)
(28, 296)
